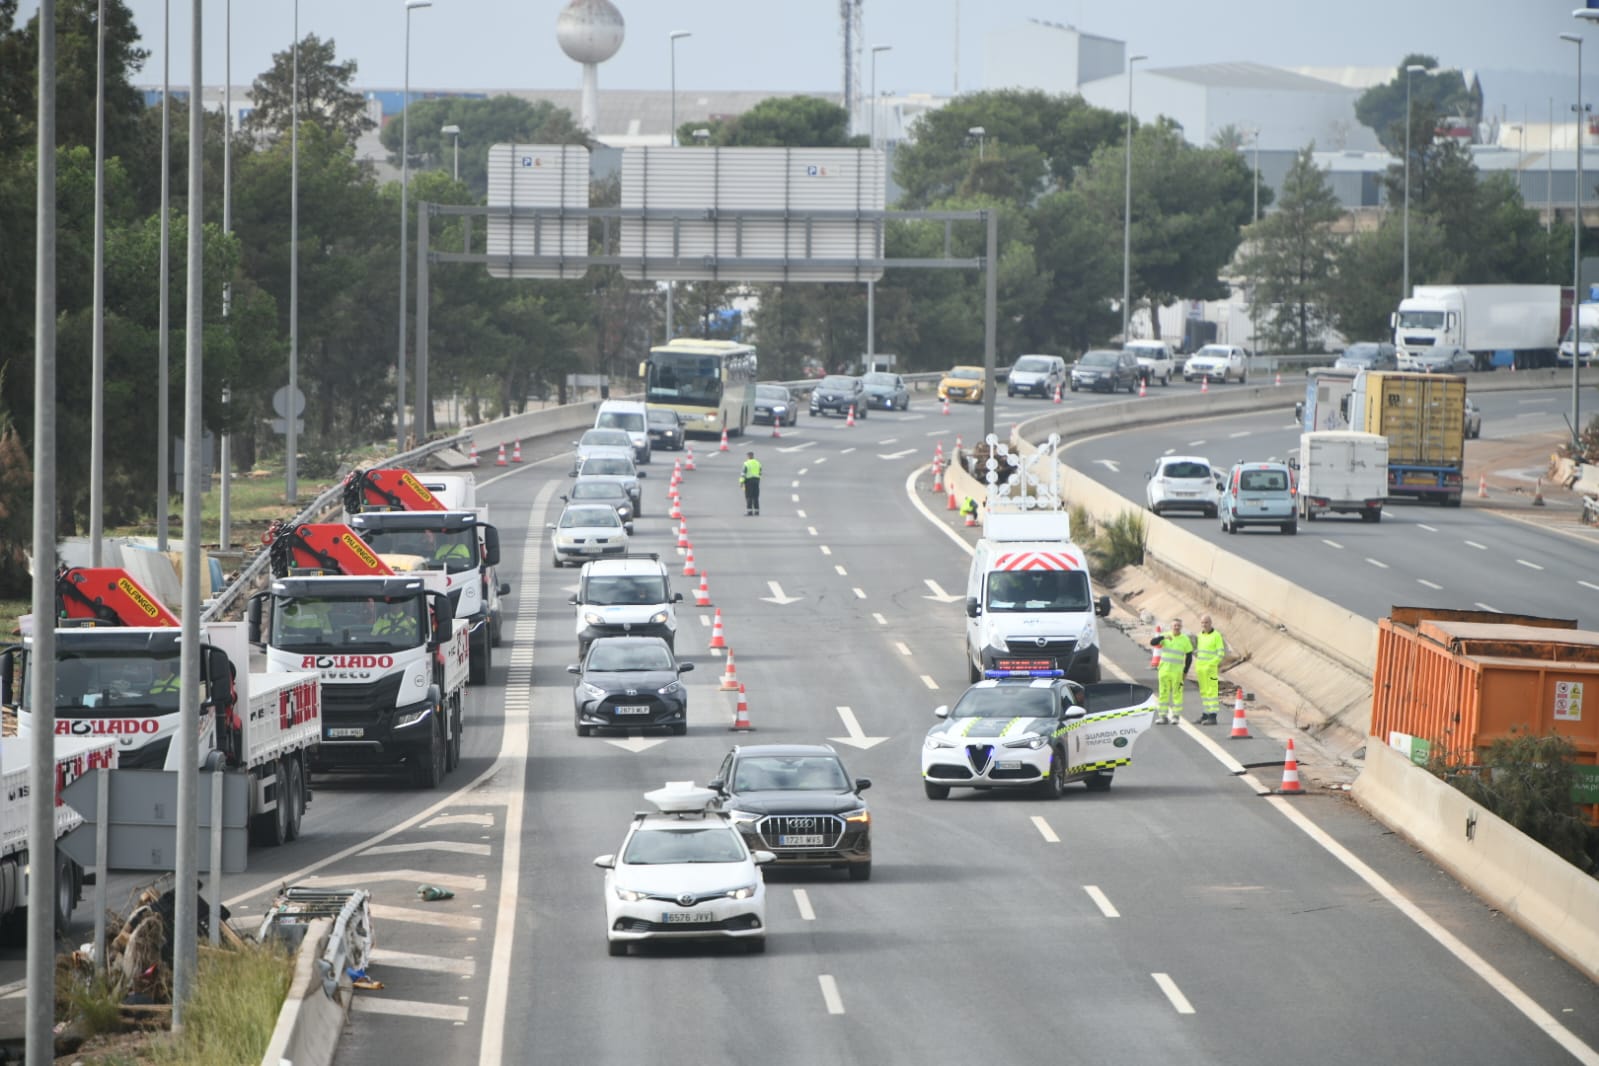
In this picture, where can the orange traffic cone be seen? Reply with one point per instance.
(688, 460)
(473, 456)
(1154, 652)
(938, 478)
(682, 533)
(501, 460)
(971, 518)
(946, 405)
(677, 508)
(1204, 385)
(741, 716)
(516, 453)
(953, 506)
(958, 444)
(850, 420)
(729, 674)
(1291, 786)
(723, 448)
(1278, 380)
(677, 471)
(938, 452)
(718, 634)
(1240, 723)
(1141, 390)
(1057, 394)
(702, 598)
(1482, 487)
(688, 563)
(1537, 494)
(775, 431)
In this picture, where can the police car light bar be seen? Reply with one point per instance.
(1023, 673)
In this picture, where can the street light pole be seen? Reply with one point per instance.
(1576, 263)
(1255, 212)
(163, 407)
(97, 370)
(1404, 287)
(1127, 210)
(225, 504)
(454, 131)
(405, 211)
(876, 48)
(671, 288)
(871, 284)
(291, 459)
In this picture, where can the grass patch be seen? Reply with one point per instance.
(238, 994)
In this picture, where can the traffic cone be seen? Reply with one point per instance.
(1141, 390)
(682, 533)
(516, 453)
(729, 674)
(850, 421)
(473, 456)
(1154, 652)
(702, 597)
(677, 471)
(776, 433)
(501, 460)
(677, 508)
(1204, 385)
(723, 448)
(958, 444)
(938, 452)
(971, 518)
(938, 478)
(1482, 487)
(688, 460)
(946, 405)
(741, 716)
(1057, 394)
(1278, 380)
(718, 634)
(953, 506)
(1240, 724)
(1291, 786)
(688, 563)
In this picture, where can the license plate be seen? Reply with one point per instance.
(686, 917)
(1008, 764)
(349, 731)
(804, 840)
(1259, 505)
(632, 709)
(1186, 495)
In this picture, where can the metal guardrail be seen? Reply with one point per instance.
(349, 941)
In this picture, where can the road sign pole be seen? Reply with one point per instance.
(215, 884)
(102, 890)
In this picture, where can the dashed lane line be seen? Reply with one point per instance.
(825, 549)
(1044, 830)
(840, 570)
(1173, 993)
(902, 647)
(879, 619)
(801, 514)
(1530, 566)
(1332, 544)
(1486, 607)
(793, 497)
(1423, 525)
(1378, 563)
(802, 900)
(1429, 584)
(845, 451)
(929, 682)
(1474, 544)
(811, 530)
(860, 593)
(1589, 585)
(1102, 901)
(830, 996)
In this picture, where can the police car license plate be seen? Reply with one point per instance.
(346, 732)
(686, 917)
(803, 840)
(632, 709)
(1008, 764)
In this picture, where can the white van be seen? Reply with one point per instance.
(632, 417)
(1029, 600)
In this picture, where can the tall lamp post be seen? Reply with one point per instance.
(405, 211)
(871, 284)
(1404, 285)
(982, 136)
(454, 131)
(1127, 209)
(163, 411)
(672, 39)
(1587, 15)
(97, 372)
(291, 436)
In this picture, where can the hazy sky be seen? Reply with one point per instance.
(795, 44)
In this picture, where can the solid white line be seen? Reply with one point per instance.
(929, 682)
(437, 963)
(1447, 940)
(1423, 525)
(830, 996)
(1530, 566)
(1173, 993)
(410, 1008)
(1485, 607)
(1102, 901)
(1332, 544)
(1044, 830)
(1589, 585)
(840, 570)
(1378, 563)
(826, 550)
(1217, 752)
(904, 649)
(860, 593)
(880, 619)
(802, 900)
(1474, 544)
(1429, 584)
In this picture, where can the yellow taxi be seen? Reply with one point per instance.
(962, 384)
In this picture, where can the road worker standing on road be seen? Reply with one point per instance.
(750, 477)
(1209, 649)
(1176, 653)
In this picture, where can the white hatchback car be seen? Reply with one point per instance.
(587, 531)
(1182, 483)
(1218, 362)
(684, 874)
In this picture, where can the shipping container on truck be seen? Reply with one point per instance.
(1424, 418)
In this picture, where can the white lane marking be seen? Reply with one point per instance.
(639, 744)
(800, 514)
(802, 900)
(880, 619)
(482, 821)
(1447, 940)
(705, 620)
(1044, 830)
(935, 433)
(1102, 901)
(844, 451)
(457, 846)
(830, 996)
(929, 682)
(839, 569)
(890, 440)
(1474, 544)
(799, 447)
(794, 484)
(904, 649)
(1240, 433)
(1114, 466)
(1429, 584)
(410, 1008)
(1168, 451)
(1173, 993)
(1530, 566)
(1589, 585)
(1195, 443)
(454, 882)
(1423, 525)
(857, 737)
(820, 459)
(778, 597)
(804, 471)
(1486, 607)
(860, 593)
(438, 963)
(938, 592)
(811, 530)
(1217, 752)
(897, 455)
(1332, 544)
(1378, 563)
(793, 497)
(825, 549)
(442, 919)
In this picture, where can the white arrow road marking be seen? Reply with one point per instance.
(636, 744)
(798, 447)
(1044, 830)
(856, 738)
(1110, 464)
(1102, 901)
(777, 596)
(897, 455)
(938, 592)
(802, 900)
(1173, 993)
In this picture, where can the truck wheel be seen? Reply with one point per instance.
(497, 627)
(480, 657)
(293, 793)
(66, 893)
(1452, 500)
(455, 734)
(271, 829)
(427, 767)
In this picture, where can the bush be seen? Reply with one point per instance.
(1527, 781)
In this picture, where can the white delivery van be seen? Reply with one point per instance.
(633, 418)
(1029, 600)
(1342, 471)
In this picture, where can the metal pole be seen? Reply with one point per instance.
(1127, 212)
(957, 67)
(214, 882)
(1255, 213)
(291, 438)
(102, 848)
(990, 318)
(1404, 285)
(871, 323)
(186, 876)
(1576, 273)
(423, 410)
(405, 177)
(1549, 172)
(97, 371)
(163, 406)
(224, 504)
(456, 173)
(41, 959)
(671, 286)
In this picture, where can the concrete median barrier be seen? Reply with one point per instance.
(530, 425)
(312, 1018)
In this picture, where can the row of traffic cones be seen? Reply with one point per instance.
(516, 454)
(1291, 785)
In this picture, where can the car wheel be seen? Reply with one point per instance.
(480, 656)
(293, 793)
(1210, 512)
(1290, 528)
(1010, 394)
(617, 948)
(1154, 509)
(935, 792)
(1099, 782)
(1074, 386)
(680, 729)
(860, 871)
(1243, 379)
(755, 945)
(1227, 527)
(555, 561)
(582, 730)
(1165, 381)
(1054, 786)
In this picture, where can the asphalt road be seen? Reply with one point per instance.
(1419, 554)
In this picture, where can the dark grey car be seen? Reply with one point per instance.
(887, 391)
(1105, 370)
(1369, 355)
(798, 802)
(665, 429)
(838, 393)
(775, 405)
(629, 683)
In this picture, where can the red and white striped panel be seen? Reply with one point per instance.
(1058, 559)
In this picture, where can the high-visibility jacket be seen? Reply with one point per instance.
(452, 550)
(752, 468)
(169, 683)
(968, 506)
(1174, 651)
(390, 624)
(1209, 649)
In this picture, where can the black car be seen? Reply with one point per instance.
(1369, 355)
(629, 683)
(1105, 370)
(887, 391)
(775, 405)
(798, 802)
(666, 429)
(603, 490)
(838, 393)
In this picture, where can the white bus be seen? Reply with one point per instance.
(710, 384)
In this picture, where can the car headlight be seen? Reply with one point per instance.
(411, 717)
(780, 409)
(593, 692)
(1033, 742)
(711, 416)
(667, 690)
(658, 618)
(742, 892)
(937, 740)
(738, 817)
(860, 817)
(594, 619)
(563, 539)
(628, 895)
(1088, 637)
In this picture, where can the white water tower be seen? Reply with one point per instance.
(590, 32)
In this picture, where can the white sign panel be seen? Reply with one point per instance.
(1568, 701)
(710, 186)
(545, 176)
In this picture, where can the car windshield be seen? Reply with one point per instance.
(790, 773)
(626, 655)
(615, 590)
(1147, 351)
(608, 466)
(659, 417)
(1207, 352)
(1263, 481)
(1421, 320)
(1006, 701)
(136, 681)
(771, 392)
(1032, 364)
(881, 379)
(356, 622)
(837, 381)
(589, 516)
(966, 373)
(1186, 468)
(1098, 359)
(607, 437)
(1590, 335)
(1038, 590)
(456, 549)
(696, 843)
(627, 421)
(598, 490)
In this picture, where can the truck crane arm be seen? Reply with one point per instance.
(108, 595)
(387, 489)
(327, 546)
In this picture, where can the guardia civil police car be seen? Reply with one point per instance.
(1035, 729)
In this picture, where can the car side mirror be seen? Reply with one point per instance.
(643, 473)
(7, 661)
(973, 608)
(941, 711)
(491, 545)
(677, 597)
(1102, 607)
(1075, 711)
(574, 668)
(862, 784)
(716, 784)
(763, 857)
(684, 668)
(565, 499)
(606, 862)
(572, 473)
(549, 525)
(505, 589)
(572, 599)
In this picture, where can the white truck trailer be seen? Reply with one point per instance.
(1342, 472)
(1500, 325)
(74, 758)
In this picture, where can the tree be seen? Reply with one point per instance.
(483, 123)
(326, 98)
(1074, 250)
(1365, 285)
(1292, 255)
(1433, 91)
(779, 122)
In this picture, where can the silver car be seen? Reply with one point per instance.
(587, 531)
(601, 441)
(1473, 419)
(1441, 360)
(618, 468)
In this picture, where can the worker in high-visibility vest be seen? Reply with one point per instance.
(452, 551)
(1176, 653)
(1209, 648)
(750, 477)
(169, 683)
(395, 620)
